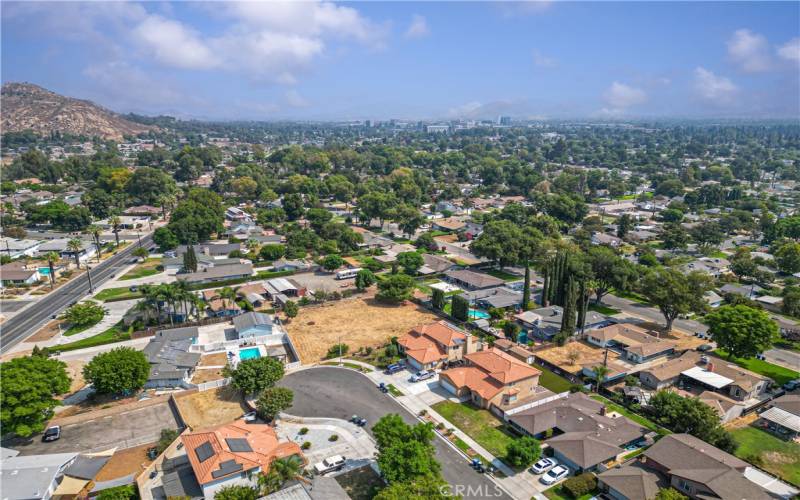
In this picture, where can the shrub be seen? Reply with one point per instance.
(306, 445)
(119, 371)
(523, 452)
(580, 485)
(334, 437)
(334, 351)
(303, 431)
(166, 439)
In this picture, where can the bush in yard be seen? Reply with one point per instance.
(303, 431)
(118, 371)
(290, 309)
(236, 493)
(124, 492)
(460, 308)
(306, 445)
(670, 494)
(85, 313)
(337, 350)
(396, 288)
(580, 485)
(252, 376)
(272, 252)
(273, 401)
(333, 438)
(332, 262)
(28, 387)
(166, 439)
(523, 452)
(364, 279)
(437, 299)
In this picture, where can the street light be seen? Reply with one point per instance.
(139, 235)
(89, 275)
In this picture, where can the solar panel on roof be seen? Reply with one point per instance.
(204, 451)
(238, 444)
(226, 467)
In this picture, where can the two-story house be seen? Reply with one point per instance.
(431, 346)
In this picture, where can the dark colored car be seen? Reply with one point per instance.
(394, 368)
(705, 347)
(52, 433)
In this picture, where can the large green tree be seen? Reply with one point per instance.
(273, 401)
(523, 451)
(395, 288)
(405, 452)
(609, 271)
(675, 293)
(252, 376)
(692, 416)
(741, 330)
(84, 313)
(427, 487)
(118, 371)
(147, 185)
(410, 261)
(28, 387)
(787, 256)
(499, 242)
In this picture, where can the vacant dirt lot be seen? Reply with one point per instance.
(357, 323)
(211, 408)
(217, 359)
(206, 375)
(125, 462)
(47, 332)
(575, 355)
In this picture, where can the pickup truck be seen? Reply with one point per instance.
(330, 464)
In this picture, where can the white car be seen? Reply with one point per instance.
(250, 417)
(423, 375)
(330, 464)
(555, 474)
(543, 465)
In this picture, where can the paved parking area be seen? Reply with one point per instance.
(340, 393)
(123, 430)
(322, 281)
(402, 380)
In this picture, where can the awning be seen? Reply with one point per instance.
(704, 376)
(782, 418)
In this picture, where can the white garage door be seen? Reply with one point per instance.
(452, 390)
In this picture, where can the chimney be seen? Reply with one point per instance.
(470, 344)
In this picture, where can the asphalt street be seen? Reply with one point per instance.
(341, 393)
(25, 323)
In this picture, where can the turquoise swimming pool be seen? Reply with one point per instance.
(478, 314)
(251, 353)
(44, 271)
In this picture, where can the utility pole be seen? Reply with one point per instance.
(340, 351)
(89, 275)
(139, 235)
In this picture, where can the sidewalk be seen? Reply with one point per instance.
(519, 485)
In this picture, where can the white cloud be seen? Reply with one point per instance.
(524, 7)
(750, 51)
(418, 27)
(295, 100)
(790, 50)
(173, 44)
(713, 88)
(542, 61)
(465, 110)
(620, 96)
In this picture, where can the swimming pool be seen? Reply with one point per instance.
(478, 314)
(251, 353)
(44, 271)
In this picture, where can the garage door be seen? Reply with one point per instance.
(444, 383)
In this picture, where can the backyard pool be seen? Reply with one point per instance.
(251, 353)
(44, 271)
(478, 314)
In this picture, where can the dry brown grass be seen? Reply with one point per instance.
(357, 323)
(125, 462)
(574, 356)
(47, 332)
(211, 408)
(75, 372)
(217, 359)
(206, 375)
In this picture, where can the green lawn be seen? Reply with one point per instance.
(558, 493)
(75, 329)
(777, 373)
(633, 416)
(774, 455)
(497, 273)
(116, 333)
(608, 311)
(147, 268)
(553, 382)
(631, 296)
(121, 293)
(479, 424)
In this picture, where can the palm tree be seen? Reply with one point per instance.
(115, 222)
(146, 307)
(281, 470)
(75, 246)
(166, 200)
(52, 258)
(94, 230)
(600, 372)
(141, 252)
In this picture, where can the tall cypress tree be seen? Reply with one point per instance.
(526, 288)
(583, 301)
(190, 260)
(570, 301)
(546, 289)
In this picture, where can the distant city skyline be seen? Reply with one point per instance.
(413, 60)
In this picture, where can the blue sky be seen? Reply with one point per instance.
(412, 60)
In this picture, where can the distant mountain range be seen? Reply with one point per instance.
(26, 106)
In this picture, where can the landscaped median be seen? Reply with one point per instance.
(116, 333)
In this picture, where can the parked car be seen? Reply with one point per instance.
(382, 387)
(792, 385)
(705, 347)
(250, 417)
(554, 475)
(52, 433)
(359, 421)
(330, 464)
(423, 375)
(394, 368)
(543, 465)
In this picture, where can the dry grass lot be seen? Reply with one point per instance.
(47, 332)
(586, 354)
(125, 462)
(217, 359)
(211, 408)
(206, 375)
(357, 323)
(75, 372)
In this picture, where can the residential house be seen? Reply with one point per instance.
(15, 248)
(33, 476)
(641, 236)
(545, 322)
(432, 346)
(255, 294)
(499, 297)
(713, 299)
(290, 265)
(253, 324)
(633, 343)
(203, 262)
(493, 379)
(434, 264)
(284, 286)
(218, 273)
(771, 303)
(693, 369)
(16, 274)
(783, 417)
(599, 238)
(222, 308)
(691, 466)
(471, 230)
(449, 224)
(171, 363)
(583, 434)
(712, 266)
(470, 280)
(234, 454)
(146, 210)
(519, 351)
(236, 214)
(60, 246)
(746, 291)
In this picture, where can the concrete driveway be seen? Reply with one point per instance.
(122, 430)
(340, 393)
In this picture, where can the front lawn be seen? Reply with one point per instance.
(777, 373)
(486, 429)
(553, 382)
(503, 275)
(113, 294)
(75, 329)
(608, 311)
(149, 267)
(558, 493)
(116, 333)
(769, 452)
(633, 416)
